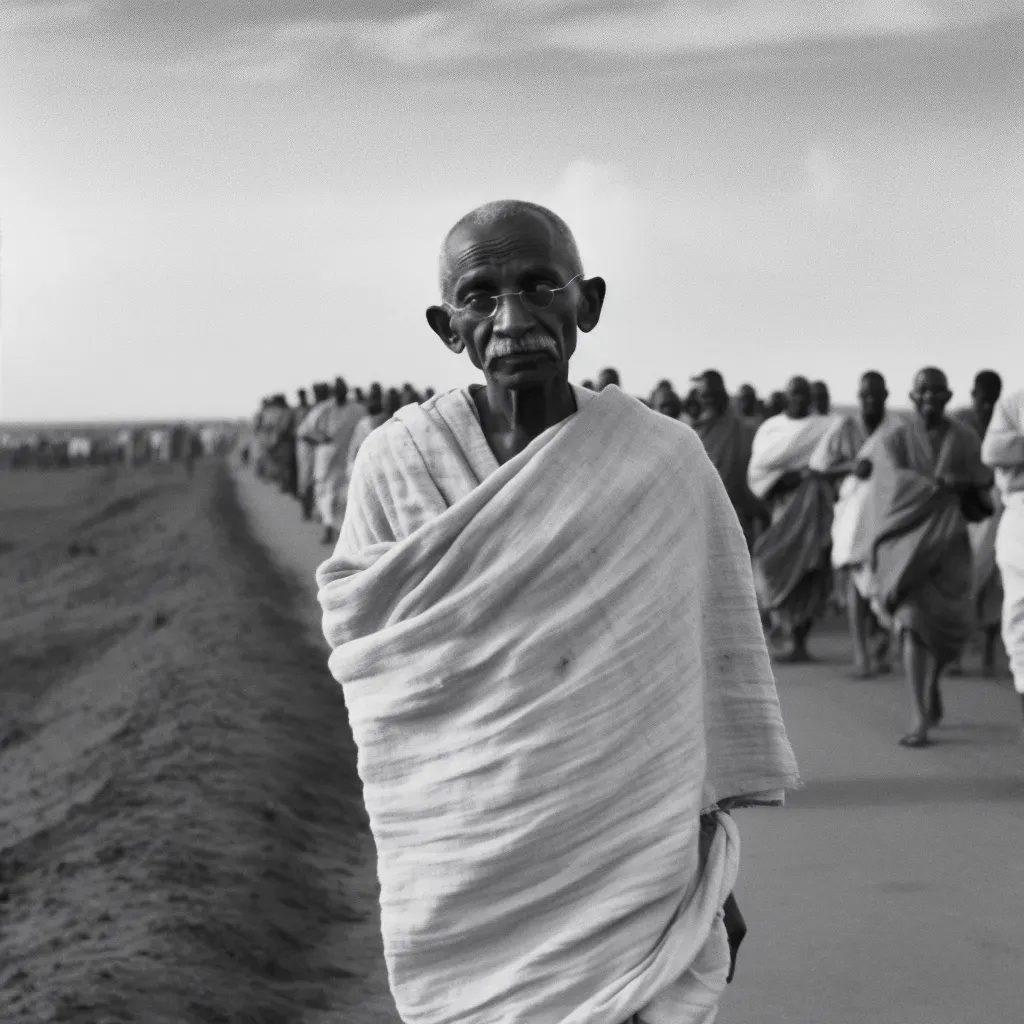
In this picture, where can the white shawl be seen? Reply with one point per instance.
(782, 444)
(550, 668)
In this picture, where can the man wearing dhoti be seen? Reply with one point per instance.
(1003, 450)
(306, 449)
(821, 399)
(666, 401)
(836, 459)
(375, 416)
(987, 586)
(542, 614)
(792, 567)
(727, 438)
(927, 481)
(330, 427)
(749, 406)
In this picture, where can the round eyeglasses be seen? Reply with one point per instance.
(484, 306)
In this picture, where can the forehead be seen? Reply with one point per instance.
(798, 386)
(929, 379)
(510, 245)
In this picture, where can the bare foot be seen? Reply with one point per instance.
(915, 739)
(796, 656)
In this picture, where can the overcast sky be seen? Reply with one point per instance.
(204, 202)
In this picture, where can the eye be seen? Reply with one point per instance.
(479, 302)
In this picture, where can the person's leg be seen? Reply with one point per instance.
(934, 703)
(857, 612)
(988, 655)
(916, 664)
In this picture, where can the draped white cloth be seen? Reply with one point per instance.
(551, 667)
(1003, 449)
(782, 444)
(330, 427)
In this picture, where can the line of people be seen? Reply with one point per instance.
(916, 521)
(308, 449)
(894, 517)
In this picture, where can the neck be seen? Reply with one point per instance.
(530, 410)
(873, 422)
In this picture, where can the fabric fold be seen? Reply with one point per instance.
(547, 683)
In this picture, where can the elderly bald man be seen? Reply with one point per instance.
(928, 482)
(792, 566)
(542, 614)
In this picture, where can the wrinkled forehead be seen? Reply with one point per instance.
(510, 245)
(930, 380)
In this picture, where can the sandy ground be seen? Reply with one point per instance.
(891, 888)
(181, 830)
(182, 837)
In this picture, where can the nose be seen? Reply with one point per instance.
(512, 318)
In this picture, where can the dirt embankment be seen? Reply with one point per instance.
(179, 807)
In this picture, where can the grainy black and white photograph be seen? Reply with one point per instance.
(511, 512)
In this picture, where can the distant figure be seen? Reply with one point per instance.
(691, 408)
(746, 402)
(988, 386)
(928, 480)
(836, 458)
(359, 396)
(987, 586)
(410, 396)
(776, 404)
(1003, 450)
(792, 566)
(428, 393)
(666, 401)
(375, 416)
(821, 400)
(588, 384)
(330, 427)
(607, 376)
(305, 452)
(728, 438)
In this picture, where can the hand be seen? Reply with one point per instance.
(864, 469)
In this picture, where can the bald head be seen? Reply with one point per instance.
(471, 229)
(798, 398)
(930, 394)
(872, 393)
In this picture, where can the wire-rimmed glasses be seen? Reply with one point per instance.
(484, 306)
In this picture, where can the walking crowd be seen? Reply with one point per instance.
(552, 610)
(914, 524)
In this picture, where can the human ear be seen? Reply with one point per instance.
(440, 321)
(592, 292)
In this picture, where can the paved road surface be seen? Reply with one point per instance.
(890, 889)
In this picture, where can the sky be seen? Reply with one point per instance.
(203, 202)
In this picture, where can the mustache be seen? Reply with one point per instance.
(535, 340)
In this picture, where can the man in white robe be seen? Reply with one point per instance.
(1003, 451)
(330, 427)
(792, 567)
(551, 712)
(836, 459)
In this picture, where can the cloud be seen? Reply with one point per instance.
(33, 17)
